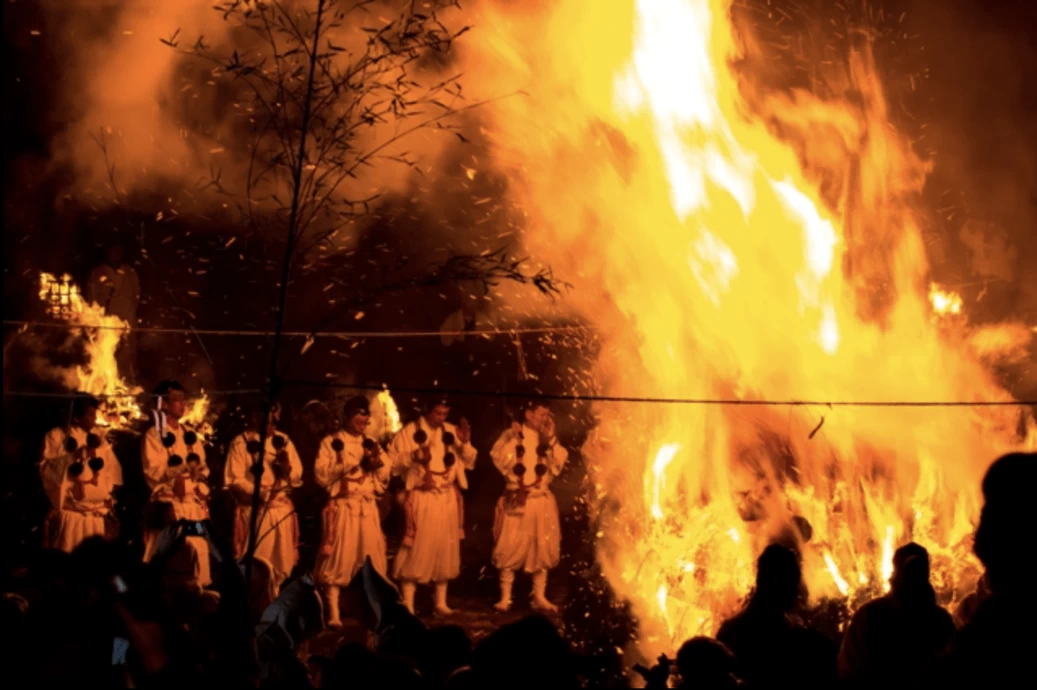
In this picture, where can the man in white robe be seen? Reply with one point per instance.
(79, 472)
(352, 469)
(432, 455)
(277, 529)
(526, 526)
(173, 459)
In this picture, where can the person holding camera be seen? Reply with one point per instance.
(352, 469)
(279, 470)
(79, 472)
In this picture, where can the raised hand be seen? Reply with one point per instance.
(464, 431)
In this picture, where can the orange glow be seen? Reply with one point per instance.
(197, 416)
(701, 248)
(101, 335)
(944, 302)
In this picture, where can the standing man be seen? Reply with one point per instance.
(79, 472)
(115, 286)
(350, 467)
(526, 526)
(432, 455)
(277, 530)
(173, 460)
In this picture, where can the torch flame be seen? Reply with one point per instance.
(719, 260)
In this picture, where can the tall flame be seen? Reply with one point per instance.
(101, 334)
(713, 266)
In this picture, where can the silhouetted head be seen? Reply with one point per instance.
(706, 663)
(778, 578)
(910, 579)
(447, 649)
(499, 660)
(1006, 515)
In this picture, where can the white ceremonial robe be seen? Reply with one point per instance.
(434, 507)
(526, 527)
(82, 506)
(277, 530)
(178, 493)
(352, 524)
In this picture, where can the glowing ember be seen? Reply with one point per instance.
(944, 302)
(101, 334)
(712, 267)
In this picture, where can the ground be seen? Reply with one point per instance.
(476, 616)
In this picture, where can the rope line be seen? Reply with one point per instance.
(669, 401)
(759, 402)
(356, 335)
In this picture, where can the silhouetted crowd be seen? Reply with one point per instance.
(100, 615)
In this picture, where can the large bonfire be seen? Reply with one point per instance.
(719, 261)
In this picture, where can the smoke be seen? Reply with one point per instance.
(160, 123)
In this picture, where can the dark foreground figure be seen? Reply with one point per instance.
(102, 617)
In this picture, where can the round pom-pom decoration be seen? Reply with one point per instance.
(449, 460)
(75, 469)
(337, 445)
(175, 461)
(96, 464)
(193, 459)
(253, 447)
(370, 445)
(190, 438)
(540, 469)
(169, 439)
(420, 436)
(93, 441)
(448, 438)
(519, 469)
(71, 444)
(520, 451)
(543, 449)
(278, 441)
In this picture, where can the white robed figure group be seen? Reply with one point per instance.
(431, 456)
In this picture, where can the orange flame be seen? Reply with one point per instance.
(101, 334)
(712, 266)
(943, 301)
(198, 416)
